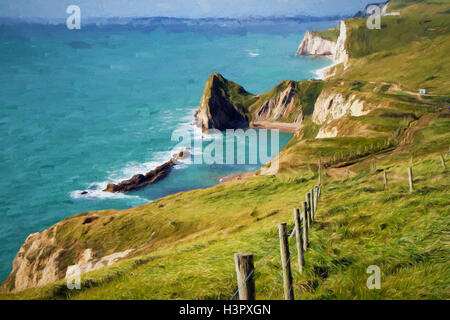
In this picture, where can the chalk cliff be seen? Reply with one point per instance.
(341, 55)
(331, 105)
(42, 259)
(315, 45)
(336, 113)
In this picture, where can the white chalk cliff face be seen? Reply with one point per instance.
(327, 132)
(331, 106)
(315, 45)
(340, 54)
(40, 261)
(28, 274)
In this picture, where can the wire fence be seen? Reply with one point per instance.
(245, 268)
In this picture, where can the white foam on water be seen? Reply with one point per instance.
(95, 192)
(95, 189)
(320, 73)
(252, 53)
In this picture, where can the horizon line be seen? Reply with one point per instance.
(280, 17)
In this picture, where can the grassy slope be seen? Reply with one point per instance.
(185, 242)
(330, 34)
(359, 224)
(410, 49)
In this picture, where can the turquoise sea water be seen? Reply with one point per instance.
(82, 108)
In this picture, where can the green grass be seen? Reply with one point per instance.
(412, 49)
(330, 34)
(359, 224)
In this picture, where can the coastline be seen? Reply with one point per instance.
(270, 125)
(94, 190)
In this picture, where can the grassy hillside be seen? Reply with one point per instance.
(359, 224)
(330, 34)
(410, 49)
(184, 243)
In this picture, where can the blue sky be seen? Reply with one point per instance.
(53, 9)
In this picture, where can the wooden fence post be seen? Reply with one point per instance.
(410, 178)
(244, 271)
(313, 207)
(285, 262)
(320, 171)
(443, 161)
(305, 225)
(385, 180)
(316, 190)
(299, 238)
(308, 197)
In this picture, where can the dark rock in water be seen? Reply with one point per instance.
(83, 192)
(181, 155)
(139, 181)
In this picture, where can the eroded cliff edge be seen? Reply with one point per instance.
(313, 44)
(227, 105)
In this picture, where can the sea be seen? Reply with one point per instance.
(82, 108)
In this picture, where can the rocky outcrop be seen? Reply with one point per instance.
(36, 264)
(315, 45)
(331, 105)
(341, 55)
(139, 181)
(88, 262)
(226, 105)
(327, 132)
(42, 260)
(337, 113)
(281, 106)
(218, 110)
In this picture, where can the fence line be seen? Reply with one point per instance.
(244, 262)
(301, 227)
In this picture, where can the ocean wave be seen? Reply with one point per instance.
(95, 190)
(252, 53)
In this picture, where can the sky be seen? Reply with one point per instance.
(54, 9)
